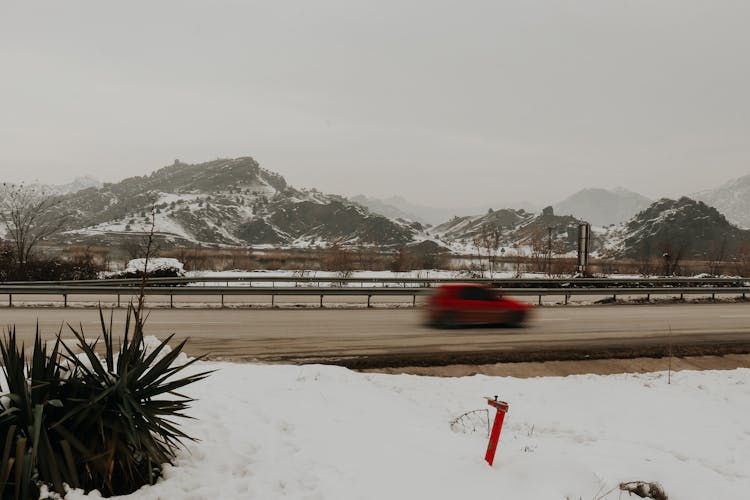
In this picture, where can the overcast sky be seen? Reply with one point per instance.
(447, 103)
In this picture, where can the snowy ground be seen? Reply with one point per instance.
(321, 432)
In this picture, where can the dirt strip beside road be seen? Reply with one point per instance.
(564, 368)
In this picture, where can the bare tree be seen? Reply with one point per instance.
(29, 215)
(488, 239)
(672, 253)
(538, 258)
(519, 259)
(716, 255)
(136, 246)
(742, 261)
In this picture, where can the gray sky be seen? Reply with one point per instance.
(448, 103)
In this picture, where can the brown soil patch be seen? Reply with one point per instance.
(563, 368)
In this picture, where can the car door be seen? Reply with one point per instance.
(477, 305)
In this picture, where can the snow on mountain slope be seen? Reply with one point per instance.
(683, 227)
(602, 207)
(226, 202)
(732, 199)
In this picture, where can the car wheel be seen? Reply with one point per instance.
(447, 320)
(516, 319)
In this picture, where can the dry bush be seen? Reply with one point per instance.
(742, 261)
(403, 261)
(339, 259)
(562, 265)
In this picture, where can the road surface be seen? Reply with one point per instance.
(395, 337)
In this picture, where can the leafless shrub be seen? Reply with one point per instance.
(716, 256)
(742, 261)
(403, 261)
(560, 266)
(338, 259)
(137, 245)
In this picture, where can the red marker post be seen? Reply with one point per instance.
(502, 409)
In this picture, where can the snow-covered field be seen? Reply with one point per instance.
(322, 432)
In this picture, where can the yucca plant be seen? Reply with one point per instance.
(32, 391)
(94, 423)
(122, 420)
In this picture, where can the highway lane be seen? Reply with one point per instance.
(397, 335)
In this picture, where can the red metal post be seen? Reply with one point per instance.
(502, 409)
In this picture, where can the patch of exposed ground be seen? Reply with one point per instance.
(577, 367)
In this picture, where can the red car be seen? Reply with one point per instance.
(474, 304)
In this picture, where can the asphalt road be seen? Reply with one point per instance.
(395, 337)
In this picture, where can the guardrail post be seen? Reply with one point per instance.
(540, 299)
(566, 299)
(171, 301)
(273, 299)
(414, 300)
(648, 297)
(321, 300)
(10, 300)
(118, 300)
(368, 301)
(222, 300)
(65, 300)
(713, 296)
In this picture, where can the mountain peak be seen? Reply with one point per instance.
(732, 198)
(685, 226)
(602, 207)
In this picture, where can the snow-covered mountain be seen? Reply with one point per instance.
(384, 208)
(602, 207)
(226, 202)
(512, 228)
(398, 206)
(78, 184)
(235, 202)
(732, 199)
(683, 228)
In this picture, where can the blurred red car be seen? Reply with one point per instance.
(474, 304)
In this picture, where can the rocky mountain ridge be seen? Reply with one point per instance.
(511, 228)
(235, 202)
(225, 202)
(682, 228)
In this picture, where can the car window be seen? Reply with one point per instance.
(475, 293)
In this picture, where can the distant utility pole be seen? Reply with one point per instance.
(549, 248)
(584, 241)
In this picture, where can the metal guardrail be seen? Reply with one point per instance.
(420, 282)
(221, 291)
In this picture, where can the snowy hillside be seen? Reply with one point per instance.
(684, 228)
(732, 199)
(381, 207)
(77, 184)
(226, 202)
(512, 228)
